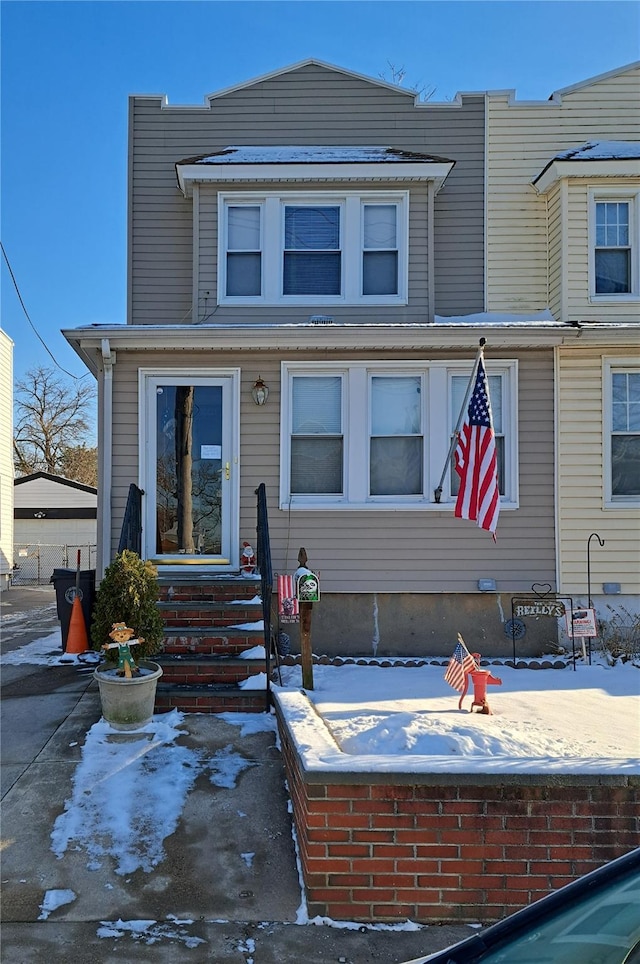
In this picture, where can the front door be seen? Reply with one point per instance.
(191, 470)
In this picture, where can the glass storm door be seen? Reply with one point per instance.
(190, 469)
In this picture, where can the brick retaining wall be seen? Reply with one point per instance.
(439, 847)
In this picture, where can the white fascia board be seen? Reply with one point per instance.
(284, 337)
(190, 174)
(615, 167)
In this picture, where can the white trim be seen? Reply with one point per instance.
(230, 379)
(195, 230)
(564, 252)
(632, 198)
(611, 364)
(436, 379)
(192, 174)
(614, 167)
(351, 203)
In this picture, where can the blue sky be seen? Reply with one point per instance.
(68, 68)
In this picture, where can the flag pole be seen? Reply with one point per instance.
(454, 440)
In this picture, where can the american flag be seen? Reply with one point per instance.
(476, 462)
(460, 663)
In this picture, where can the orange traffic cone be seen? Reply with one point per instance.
(77, 641)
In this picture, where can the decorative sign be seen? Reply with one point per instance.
(583, 623)
(308, 587)
(538, 607)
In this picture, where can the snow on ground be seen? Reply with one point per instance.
(399, 718)
(406, 719)
(121, 778)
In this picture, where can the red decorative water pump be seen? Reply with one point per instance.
(481, 678)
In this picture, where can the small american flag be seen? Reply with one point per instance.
(476, 461)
(460, 663)
(288, 608)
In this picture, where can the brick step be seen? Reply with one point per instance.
(202, 670)
(210, 640)
(209, 699)
(224, 589)
(197, 613)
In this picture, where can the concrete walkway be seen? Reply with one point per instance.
(203, 902)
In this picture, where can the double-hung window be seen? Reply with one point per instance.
(312, 258)
(622, 433)
(244, 250)
(313, 249)
(377, 435)
(497, 392)
(615, 245)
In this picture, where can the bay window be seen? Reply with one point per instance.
(313, 249)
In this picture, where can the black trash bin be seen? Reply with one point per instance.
(64, 581)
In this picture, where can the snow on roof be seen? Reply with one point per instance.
(497, 318)
(601, 151)
(312, 155)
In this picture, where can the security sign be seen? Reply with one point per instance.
(583, 623)
(308, 587)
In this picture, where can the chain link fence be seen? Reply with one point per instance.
(34, 564)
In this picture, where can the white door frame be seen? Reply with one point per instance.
(148, 380)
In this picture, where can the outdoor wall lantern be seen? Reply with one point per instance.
(259, 392)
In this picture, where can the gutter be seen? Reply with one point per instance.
(331, 337)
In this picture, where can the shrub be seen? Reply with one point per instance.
(128, 593)
(619, 635)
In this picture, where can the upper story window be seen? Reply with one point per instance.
(622, 433)
(316, 249)
(615, 245)
(613, 248)
(376, 435)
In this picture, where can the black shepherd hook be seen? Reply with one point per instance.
(594, 535)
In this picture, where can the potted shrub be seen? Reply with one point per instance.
(126, 606)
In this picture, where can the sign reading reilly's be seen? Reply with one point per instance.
(539, 607)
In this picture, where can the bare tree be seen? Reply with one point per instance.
(52, 417)
(80, 463)
(396, 74)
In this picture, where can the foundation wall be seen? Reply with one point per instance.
(450, 847)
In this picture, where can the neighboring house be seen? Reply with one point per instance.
(52, 511)
(324, 234)
(6, 459)
(563, 230)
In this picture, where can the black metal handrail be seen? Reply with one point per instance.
(263, 557)
(131, 532)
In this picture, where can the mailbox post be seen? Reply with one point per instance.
(307, 592)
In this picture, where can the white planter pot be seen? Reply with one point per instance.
(127, 704)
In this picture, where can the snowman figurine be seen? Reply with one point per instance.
(247, 560)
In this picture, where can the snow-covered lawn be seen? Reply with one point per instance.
(406, 719)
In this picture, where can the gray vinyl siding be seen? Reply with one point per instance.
(370, 551)
(309, 105)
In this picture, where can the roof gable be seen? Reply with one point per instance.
(59, 479)
(593, 81)
(303, 65)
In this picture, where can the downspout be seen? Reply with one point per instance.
(108, 361)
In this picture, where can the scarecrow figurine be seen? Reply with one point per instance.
(121, 635)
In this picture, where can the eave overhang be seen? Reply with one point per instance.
(318, 165)
(556, 170)
(309, 337)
